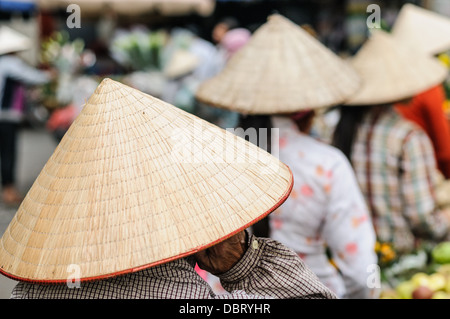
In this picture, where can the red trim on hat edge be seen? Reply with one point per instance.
(193, 251)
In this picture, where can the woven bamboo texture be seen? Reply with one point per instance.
(137, 182)
(282, 69)
(392, 72)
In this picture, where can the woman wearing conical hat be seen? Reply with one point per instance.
(284, 74)
(428, 32)
(393, 158)
(14, 73)
(139, 191)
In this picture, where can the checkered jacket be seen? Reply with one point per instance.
(267, 270)
(395, 166)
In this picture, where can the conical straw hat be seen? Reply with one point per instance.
(181, 63)
(137, 182)
(422, 30)
(12, 41)
(282, 69)
(392, 72)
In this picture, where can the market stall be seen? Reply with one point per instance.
(423, 274)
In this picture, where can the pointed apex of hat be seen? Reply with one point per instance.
(107, 81)
(117, 97)
(276, 17)
(108, 85)
(276, 20)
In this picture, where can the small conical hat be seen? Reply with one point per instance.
(422, 30)
(137, 182)
(181, 63)
(392, 72)
(12, 41)
(282, 69)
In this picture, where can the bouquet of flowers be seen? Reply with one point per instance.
(68, 58)
(59, 52)
(138, 49)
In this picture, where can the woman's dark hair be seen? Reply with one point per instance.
(347, 128)
(303, 120)
(260, 228)
(258, 122)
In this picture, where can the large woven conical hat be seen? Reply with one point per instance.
(12, 41)
(422, 30)
(282, 69)
(137, 182)
(392, 72)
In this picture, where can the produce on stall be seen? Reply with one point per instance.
(424, 274)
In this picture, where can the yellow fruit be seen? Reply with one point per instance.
(405, 289)
(447, 286)
(420, 279)
(437, 282)
(444, 58)
(444, 269)
(440, 295)
(389, 294)
(377, 246)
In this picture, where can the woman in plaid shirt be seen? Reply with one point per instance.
(393, 158)
(248, 267)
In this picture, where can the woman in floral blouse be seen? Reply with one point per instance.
(325, 215)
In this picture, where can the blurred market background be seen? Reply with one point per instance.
(133, 41)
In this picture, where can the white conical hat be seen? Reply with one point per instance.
(137, 182)
(282, 69)
(422, 30)
(391, 72)
(12, 41)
